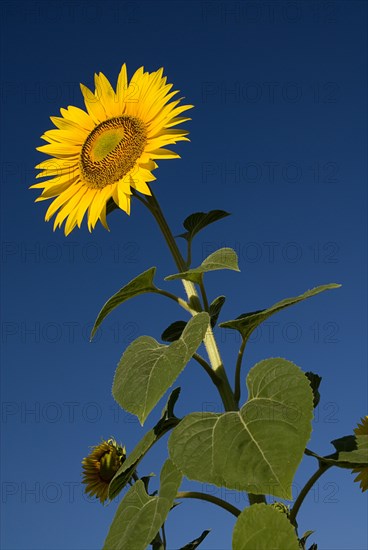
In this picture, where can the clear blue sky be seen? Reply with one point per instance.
(278, 138)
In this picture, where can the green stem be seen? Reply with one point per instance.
(176, 299)
(189, 253)
(237, 386)
(224, 387)
(307, 487)
(204, 296)
(210, 498)
(163, 536)
(207, 368)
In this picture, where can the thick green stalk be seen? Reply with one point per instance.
(209, 340)
(223, 385)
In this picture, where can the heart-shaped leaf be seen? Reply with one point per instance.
(140, 516)
(147, 368)
(224, 258)
(248, 322)
(199, 220)
(262, 527)
(167, 421)
(139, 285)
(257, 449)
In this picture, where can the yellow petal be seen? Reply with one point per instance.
(93, 104)
(98, 203)
(55, 190)
(78, 116)
(62, 199)
(73, 135)
(103, 218)
(121, 87)
(106, 95)
(68, 207)
(163, 154)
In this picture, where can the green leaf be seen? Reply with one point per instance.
(258, 448)
(351, 452)
(359, 456)
(147, 368)
(262, 527)
(140, 516)
(141, 284)
(304, 538)
(347, 443)
(314, 380)
(196, 542)
(247, 322)
(199, 220)
(167, 421)
(224, 258)
(174, 331)
(215, 309)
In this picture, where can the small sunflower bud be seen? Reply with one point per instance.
(362, 477)
(100, 466)
(280, 507)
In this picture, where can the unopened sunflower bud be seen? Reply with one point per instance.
(281, 507)
(100, 466)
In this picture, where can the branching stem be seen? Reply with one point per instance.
(224, 387)
(222, 381)
(176, 299)
(307, 487)
(207, 368)
(204, 296)
(237, 386)
(210, 498)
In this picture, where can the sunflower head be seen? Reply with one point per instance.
(100, 466)
(362, 477)
(281, 507)
(108, 152)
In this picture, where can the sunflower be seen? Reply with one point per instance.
(362, 472)
(109, 152)
(100, 466)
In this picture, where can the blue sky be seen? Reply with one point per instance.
(278, 138)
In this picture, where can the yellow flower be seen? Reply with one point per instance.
(100, 466)
(362, 429)
(109, 151)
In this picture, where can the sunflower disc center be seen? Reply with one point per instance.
(111, 150)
